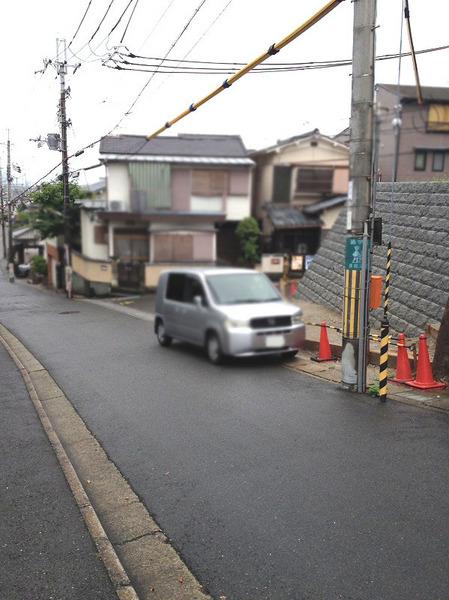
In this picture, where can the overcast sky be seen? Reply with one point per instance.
(261, 107)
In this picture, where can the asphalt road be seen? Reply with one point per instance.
(270, 484)
(46, 551)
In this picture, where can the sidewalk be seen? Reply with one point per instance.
(46, 549)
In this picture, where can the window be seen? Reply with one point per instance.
(282, 176)
(173, 248)
(100, 234)
(438, 117)
(131, 245)
(184, 288)
(438, 161)
(209, 182)
(242, 288)
(314, 180)
(420, 160)
(175, 287)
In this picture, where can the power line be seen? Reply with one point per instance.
(120, 18)
(91, 144)
(272, 50)
(129, 21)
(187, 65)
(80, 23)
(153, 29)
(100, 23)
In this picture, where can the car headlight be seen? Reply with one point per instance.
(297, 318)
(233, 323)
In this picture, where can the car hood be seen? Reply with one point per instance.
(263, 309)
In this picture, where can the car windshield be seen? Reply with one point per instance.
(242, 288)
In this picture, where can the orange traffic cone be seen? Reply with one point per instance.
(324, 351)
(424, 377)
(403, 369)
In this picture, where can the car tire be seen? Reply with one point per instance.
(163, 339)
(290, 355)
(213, 349)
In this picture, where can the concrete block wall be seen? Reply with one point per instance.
(416, 219)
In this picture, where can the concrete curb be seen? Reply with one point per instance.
(111, 561)
(135, 552)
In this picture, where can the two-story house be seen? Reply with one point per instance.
(422, 145)
(291, 178)
(167, 201)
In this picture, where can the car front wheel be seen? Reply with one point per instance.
(213, 349)
(163, 339)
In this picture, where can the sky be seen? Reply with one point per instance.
(262, 108)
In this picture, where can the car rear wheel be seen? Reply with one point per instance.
(213, 349)
(163, 339)
(290, 355)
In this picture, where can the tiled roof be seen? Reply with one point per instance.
(313, 209)
(409, 91)
(230, 146)
(290, 216)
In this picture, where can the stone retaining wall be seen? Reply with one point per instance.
(416, 219)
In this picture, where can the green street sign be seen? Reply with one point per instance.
(353, 255)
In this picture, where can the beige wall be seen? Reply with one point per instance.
(96, 271)
(88, 246)
(118, 184)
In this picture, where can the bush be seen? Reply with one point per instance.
(248, 232)
(38, 265)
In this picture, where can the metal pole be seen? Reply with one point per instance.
(357, 281)
(385, 333)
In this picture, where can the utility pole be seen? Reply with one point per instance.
(9, 209)
(2, 209)
(61, 68)
(360, 209)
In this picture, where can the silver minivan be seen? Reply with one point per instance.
(229, 312)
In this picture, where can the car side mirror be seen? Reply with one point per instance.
(198, 301)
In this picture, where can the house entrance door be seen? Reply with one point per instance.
(131, 248)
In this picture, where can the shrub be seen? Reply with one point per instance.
(248, 232)
(38, 265)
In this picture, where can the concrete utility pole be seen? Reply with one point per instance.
(2, 212)
(9, 210)
(357, 259)
(61, 67)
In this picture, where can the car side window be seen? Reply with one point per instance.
(193, 287)
(176, 287)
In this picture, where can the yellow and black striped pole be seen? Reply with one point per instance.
(385, 333)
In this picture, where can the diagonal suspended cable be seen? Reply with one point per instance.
(272, 50)
(99, 24)
(120, 18)
(80, 23)
(153, 29)
(129, 21)
(412, 48)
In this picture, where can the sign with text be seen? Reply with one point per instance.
(353, 255)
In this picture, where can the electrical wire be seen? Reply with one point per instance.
(273, 49)
(80, 23)
(100, 23)
(120, 18)
(153, 29)
(129, 21)
(192, 66)
(412, 48)
(91, 144)
(289, 64)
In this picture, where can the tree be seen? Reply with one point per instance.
(48, 218)
(248, 232)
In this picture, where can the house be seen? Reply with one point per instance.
(294, 175)
(423, 141)
(169, 201)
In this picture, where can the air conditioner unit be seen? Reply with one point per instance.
(116, 206)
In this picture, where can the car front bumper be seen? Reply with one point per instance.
(250, 342)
